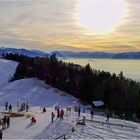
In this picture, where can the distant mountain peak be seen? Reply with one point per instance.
(31, 53)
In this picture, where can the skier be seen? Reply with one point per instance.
(10, 108)
(8, 121)
(91, 113)
(44, 109)
(52, 116)
(1, 134)
(79, 111)
(61, 114)
(6, 105)
(58, 112)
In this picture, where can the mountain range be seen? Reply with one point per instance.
(70, 54)
(31, 53)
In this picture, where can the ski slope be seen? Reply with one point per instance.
(94, 130)
(7, 69)
(36, 92)
(21, 127)
(40, 95)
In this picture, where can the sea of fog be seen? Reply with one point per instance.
(130, 68)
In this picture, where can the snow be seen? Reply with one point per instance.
(7, 69)
(38, 95)
(98, 103)
(36, 92)
(96, 130)
(21, 127)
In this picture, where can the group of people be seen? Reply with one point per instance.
(60, 113)
(24, 106)
(5, 122)
(8, 107)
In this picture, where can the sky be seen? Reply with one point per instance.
(53, 25)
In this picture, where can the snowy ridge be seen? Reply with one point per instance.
(7, 69)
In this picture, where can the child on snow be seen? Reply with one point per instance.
(33, 120)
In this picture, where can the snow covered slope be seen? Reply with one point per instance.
(21, 127)
(95, 130)
(7, 69)
(36, 92)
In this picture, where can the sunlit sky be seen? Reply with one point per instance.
(60, 25)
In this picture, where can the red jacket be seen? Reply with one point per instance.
(61, 113)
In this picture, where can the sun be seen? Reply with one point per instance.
(100, 16)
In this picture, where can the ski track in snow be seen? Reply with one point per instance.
(54, 129)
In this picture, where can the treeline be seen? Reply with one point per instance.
(87, 84)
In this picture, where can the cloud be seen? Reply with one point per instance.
(51, 24)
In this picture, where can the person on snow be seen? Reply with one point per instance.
(1, 133)
(84, 109)
(44, 109)
(79, 111)
(107, 116)
(4, 122)
(6, 105)
(84, 119)
(33, 120)
(61, 114)
(10, 108)
(58, 112)
(91, 113)
(27, 107)
(18, 106)
(8, 121)
(52, 116)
